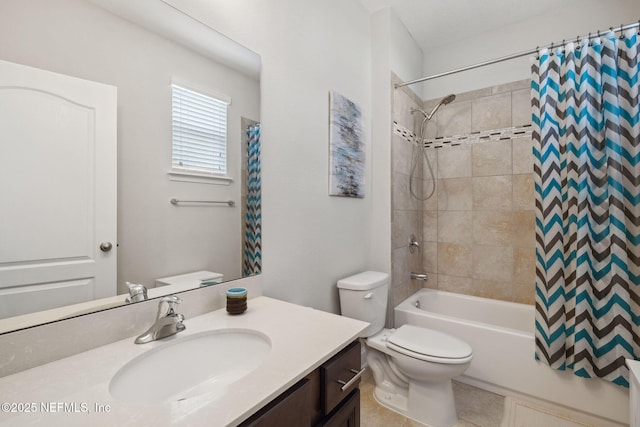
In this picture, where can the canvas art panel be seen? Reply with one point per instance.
(346, 147)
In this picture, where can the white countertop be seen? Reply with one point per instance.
(302, 339)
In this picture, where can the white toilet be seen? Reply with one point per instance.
(412, 366)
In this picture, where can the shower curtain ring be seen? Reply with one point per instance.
(621, 32)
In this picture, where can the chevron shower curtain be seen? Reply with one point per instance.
(587, 182)
(252, 257)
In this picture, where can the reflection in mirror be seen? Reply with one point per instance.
(86, 108)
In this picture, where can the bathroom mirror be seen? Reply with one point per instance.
(141, 48)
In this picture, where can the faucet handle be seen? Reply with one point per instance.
(137, 292)
(172, 301)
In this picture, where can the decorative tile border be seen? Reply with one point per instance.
(469, 138)
(405, 133)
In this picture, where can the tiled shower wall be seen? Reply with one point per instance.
(476, 233)
(406, 213)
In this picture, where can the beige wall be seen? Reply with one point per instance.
(477, 232)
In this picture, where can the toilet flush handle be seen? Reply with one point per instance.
(368, 296)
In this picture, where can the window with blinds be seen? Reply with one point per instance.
(199, 124)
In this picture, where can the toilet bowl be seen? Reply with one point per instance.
(412, 366)
(415, 380)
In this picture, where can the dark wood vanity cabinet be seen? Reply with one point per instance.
(318, 399)
(291, 408)
(347, 414)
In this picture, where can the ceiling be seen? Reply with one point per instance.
(436, 22)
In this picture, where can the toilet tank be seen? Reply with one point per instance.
(364, 297)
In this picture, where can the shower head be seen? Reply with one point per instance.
(444, 101)
(448, 99)
(419, 146)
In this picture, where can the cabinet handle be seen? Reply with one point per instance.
(347, 384)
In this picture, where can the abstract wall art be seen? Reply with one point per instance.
(346, 148)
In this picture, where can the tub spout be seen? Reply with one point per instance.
(419, 276)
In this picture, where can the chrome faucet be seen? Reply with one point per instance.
(137, 292)
(167, 324)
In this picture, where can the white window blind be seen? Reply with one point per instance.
(199, 124)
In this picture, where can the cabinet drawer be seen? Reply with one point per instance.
(339, 376)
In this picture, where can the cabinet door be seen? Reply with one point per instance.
(347, 414)
(291, 409)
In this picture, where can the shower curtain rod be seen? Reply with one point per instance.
(513, 56)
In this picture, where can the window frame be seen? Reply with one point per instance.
(186, 174)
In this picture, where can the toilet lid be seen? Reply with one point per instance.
(427, 342)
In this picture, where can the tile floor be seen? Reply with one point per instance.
(476, 407)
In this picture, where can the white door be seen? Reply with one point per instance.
(57, 190)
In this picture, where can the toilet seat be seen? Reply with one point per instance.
(429, 345)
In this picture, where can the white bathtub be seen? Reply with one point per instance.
(501, 334)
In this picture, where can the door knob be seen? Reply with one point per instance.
(106, 246)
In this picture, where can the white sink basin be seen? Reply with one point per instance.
(207, 362)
